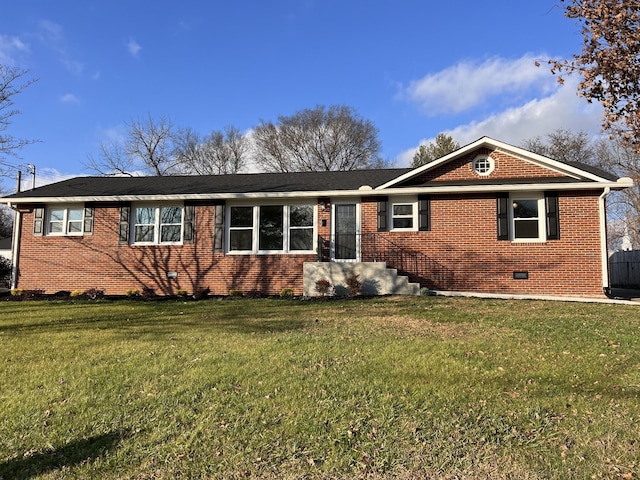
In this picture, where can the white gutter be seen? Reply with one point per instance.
(363, 191)
(603, 239)
(15, 249)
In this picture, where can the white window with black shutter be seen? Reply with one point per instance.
(63, 220)
(404, 213)
(528, 217)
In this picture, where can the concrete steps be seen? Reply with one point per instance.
(375, 277)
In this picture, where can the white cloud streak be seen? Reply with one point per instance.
(467, 84)
(536, 117)
(69, 98)
(134, 48)
(10, 47)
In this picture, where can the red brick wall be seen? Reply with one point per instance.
(505, 167)
(462, 238)
(53, 263)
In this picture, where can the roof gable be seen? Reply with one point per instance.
(511, 165)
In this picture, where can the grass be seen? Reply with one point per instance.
(397, 387)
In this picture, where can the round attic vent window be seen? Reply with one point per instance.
(483, 165)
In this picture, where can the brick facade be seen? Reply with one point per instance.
(462, 240)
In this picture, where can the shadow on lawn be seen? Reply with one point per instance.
(76, 452)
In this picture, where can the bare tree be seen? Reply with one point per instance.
(218, 153)
(9, 88)
(609, 62)
(443, 145)
(563, 145)
(318, 139)
(614, 156)
(149, 146)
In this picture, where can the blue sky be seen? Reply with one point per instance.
(414, 68)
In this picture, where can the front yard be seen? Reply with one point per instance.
(397, 387)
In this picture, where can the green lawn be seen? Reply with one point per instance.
(400, 387)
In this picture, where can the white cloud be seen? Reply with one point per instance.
(69, 98)
(45, 176)
(133, 47)
(538, 117)
(9, 48)
(52, 35)
(467, 84)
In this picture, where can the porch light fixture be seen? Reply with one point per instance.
(172, 274)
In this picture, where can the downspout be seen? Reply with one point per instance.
(603, 242)
(15, 248)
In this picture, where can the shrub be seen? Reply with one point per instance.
(323, 286)
(94, 293)
(286, 293)
(202, 293)
(354, 285)
(235, 293)
(148, 292)
(425, 292)
(133, 293)
(77, 293)
(5, 271)
(17, 292)
(181, 293)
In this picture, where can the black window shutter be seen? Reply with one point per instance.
(503, 216)
(424, 213)
(125, 228)
(189, 223)
(218, 228)
(553, 215)
(38, 221)
(383, 215)
(88, 220)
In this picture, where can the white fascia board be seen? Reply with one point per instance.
(521, 153)
(620, 184)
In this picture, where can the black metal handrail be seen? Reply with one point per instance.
(374, 247)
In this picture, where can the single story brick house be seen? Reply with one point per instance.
(488, 217)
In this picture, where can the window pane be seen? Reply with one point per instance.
(56, 215)
(271, 223)
(301, 239)
(55, 227)
(241, 217)
(525, 208)
(76, 215)
(301, 216)
(526, 228)
(170, 233)
(171, 215)
(144, 233)
(403, 210)
(75, 227)
(403, 223)
(240, 239)
(146, 215)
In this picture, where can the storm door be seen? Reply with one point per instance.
(345, 238)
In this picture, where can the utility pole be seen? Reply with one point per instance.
(32, 170)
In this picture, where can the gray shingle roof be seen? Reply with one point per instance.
(213, 184)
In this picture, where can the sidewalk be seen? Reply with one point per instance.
(619, 296)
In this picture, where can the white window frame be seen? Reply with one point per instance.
(542, 227)
(65, 220)
(157, 223)
(482, 161)
(413, 201)
(255, 229)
